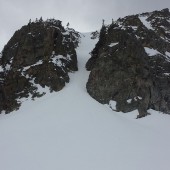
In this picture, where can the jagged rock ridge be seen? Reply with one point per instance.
(40, 53)
(131, 63)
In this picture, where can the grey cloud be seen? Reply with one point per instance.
(83, 15)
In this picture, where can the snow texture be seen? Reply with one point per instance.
(145, 22)
(151, 51)
(28, 67)
(69, 130)
(113, 44)
(112, 105)
(167, 74)
(168, 54)
(1, 69)
(129, 101)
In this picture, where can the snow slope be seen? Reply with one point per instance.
(69, 130)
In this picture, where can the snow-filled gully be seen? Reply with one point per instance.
(69, 130)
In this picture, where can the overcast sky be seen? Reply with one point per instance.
(83, 15)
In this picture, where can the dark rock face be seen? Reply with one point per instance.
(131, 63)
(43, 53)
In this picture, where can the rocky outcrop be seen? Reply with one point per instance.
(131, 63)
(95, 35)
(40, 53)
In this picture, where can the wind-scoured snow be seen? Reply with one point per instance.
(151, 51)
(69, 130)
(167, 54)
(113, 44)
(1, 69)
(28, 67)
(145, 22)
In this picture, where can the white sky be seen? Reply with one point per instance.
(83, 15)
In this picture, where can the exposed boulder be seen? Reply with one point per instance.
(131, 63)
(43, 53)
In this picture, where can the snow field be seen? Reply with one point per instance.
(69, 130)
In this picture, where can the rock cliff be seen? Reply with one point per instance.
(131, 63)
(40, 53)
